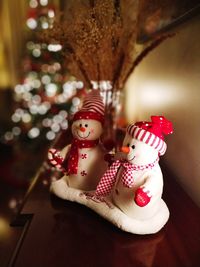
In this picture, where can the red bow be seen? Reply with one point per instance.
(159, 125)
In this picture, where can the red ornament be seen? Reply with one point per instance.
(141, 197)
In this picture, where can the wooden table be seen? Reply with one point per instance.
(60, 233)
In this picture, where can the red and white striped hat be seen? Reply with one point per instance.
(92, 108)
(151, 133)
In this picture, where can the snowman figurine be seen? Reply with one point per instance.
(130, 192)
(85, 155)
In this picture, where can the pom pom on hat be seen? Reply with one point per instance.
(151, 133)
(92, 108)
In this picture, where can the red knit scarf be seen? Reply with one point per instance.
(72, 161)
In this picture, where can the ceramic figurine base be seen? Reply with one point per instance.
(112, 213)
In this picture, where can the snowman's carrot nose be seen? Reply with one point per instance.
(125, 149)
(82, 129)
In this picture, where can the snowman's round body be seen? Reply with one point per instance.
(91, 164)
(150, 179)
(123, 197)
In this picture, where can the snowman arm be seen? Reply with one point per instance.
(151, 187)
(153, 183)
(64, 151)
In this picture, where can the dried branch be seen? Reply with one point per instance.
(99, 38)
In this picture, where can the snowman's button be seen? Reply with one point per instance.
(84, 156)
(83, 173)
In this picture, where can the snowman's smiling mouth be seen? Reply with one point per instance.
(131, 158)
(83, 137)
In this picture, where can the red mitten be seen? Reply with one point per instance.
(141, 198)
(54, 158)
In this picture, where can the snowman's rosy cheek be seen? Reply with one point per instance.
(92, 131)
(137, 155)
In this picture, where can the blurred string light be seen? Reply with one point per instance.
(36, 20)
(51, 13)
(31, 23)
(54, 47)
(33, 132)
(33, 3)
(50, 89)
(43, 2)
(35, 105)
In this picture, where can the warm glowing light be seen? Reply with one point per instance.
(27, 96)
(4, 228)
(44, 67)
(31, 23)
(45, 25)
(51, 89)
(42, 109)
(79, 85)
(76, 101)
(60, 99)
(8, 136)
(63, 113)
(16, 130)
(50, 135)
(51, 13)
(67, 87)
(30, 45)
(47, 105)
(33, 109)
(16, 117)
(19, 111)
(57, 66)
(19, 89)
(57, 118)
(33, 133)
(74, 109)
(36, 99)
(46, 122)
(156, 93)
(12, 203)
(55, 127)
(43, 2)
(64, 124)
(36, 83)
(36, 52)
(46, 79)
(54, 47)
(33, 3)
(26, 118)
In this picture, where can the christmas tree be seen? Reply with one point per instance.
(45, 96)
(43, 101)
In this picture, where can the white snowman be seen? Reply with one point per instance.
(85, 155)
(133, 184)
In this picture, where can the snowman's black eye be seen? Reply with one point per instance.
(80, 125)
(128, 144)
(86, 125)
(133, 146)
